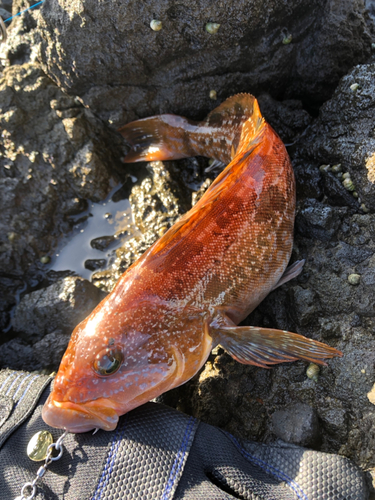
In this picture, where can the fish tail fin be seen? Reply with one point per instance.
(257, 346)
(162, 137)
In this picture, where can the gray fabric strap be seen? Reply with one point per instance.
(19, 394)
(147, 455)
(310, 474)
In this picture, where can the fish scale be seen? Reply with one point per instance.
(189, 291)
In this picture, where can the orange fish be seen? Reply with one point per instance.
(188, 292)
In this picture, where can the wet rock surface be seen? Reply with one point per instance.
(55, 154)
(108, 54)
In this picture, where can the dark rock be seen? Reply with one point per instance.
(6, 4)
(318, 220)
(335, 421)
(343, 134)
(305, 305)
(337, 194)
(297, 424)
(123, 69)
(74, 206)
(308, 180)
(10, 287)
(60, 306)
(102, 243)
(287, 117)
(50, 349)
(19, 355)
(95, 264)
(5, 14)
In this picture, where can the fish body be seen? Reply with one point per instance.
(189, 291)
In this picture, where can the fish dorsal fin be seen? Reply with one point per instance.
(238, 109)
(239, 106)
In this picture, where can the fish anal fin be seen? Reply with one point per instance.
(290, 272)
(265, 347)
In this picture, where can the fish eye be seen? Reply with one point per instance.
(108, 361)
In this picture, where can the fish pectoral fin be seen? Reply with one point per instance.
(290, 272)
(258, 346)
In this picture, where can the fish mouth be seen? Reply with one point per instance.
(83, 417)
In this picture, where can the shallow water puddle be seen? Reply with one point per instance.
(88, 248)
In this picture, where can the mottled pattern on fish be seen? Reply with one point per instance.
(188, 292)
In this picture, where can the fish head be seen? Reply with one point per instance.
(108, 369)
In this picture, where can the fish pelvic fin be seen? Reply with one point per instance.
(162, 137)
(291, 272)
(264, 347)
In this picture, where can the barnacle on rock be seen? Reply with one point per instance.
(156, 25)
(354, 279)
(313, 371)
(336, 168)
(348, 184)
(287, 39)
(325, 168)
(212, 28)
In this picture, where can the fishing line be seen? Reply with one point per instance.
(3, 29)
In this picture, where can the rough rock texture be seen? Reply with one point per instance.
(106, 52)
(44, 320)
(53, 155)
(60, 306)
(344, 133)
